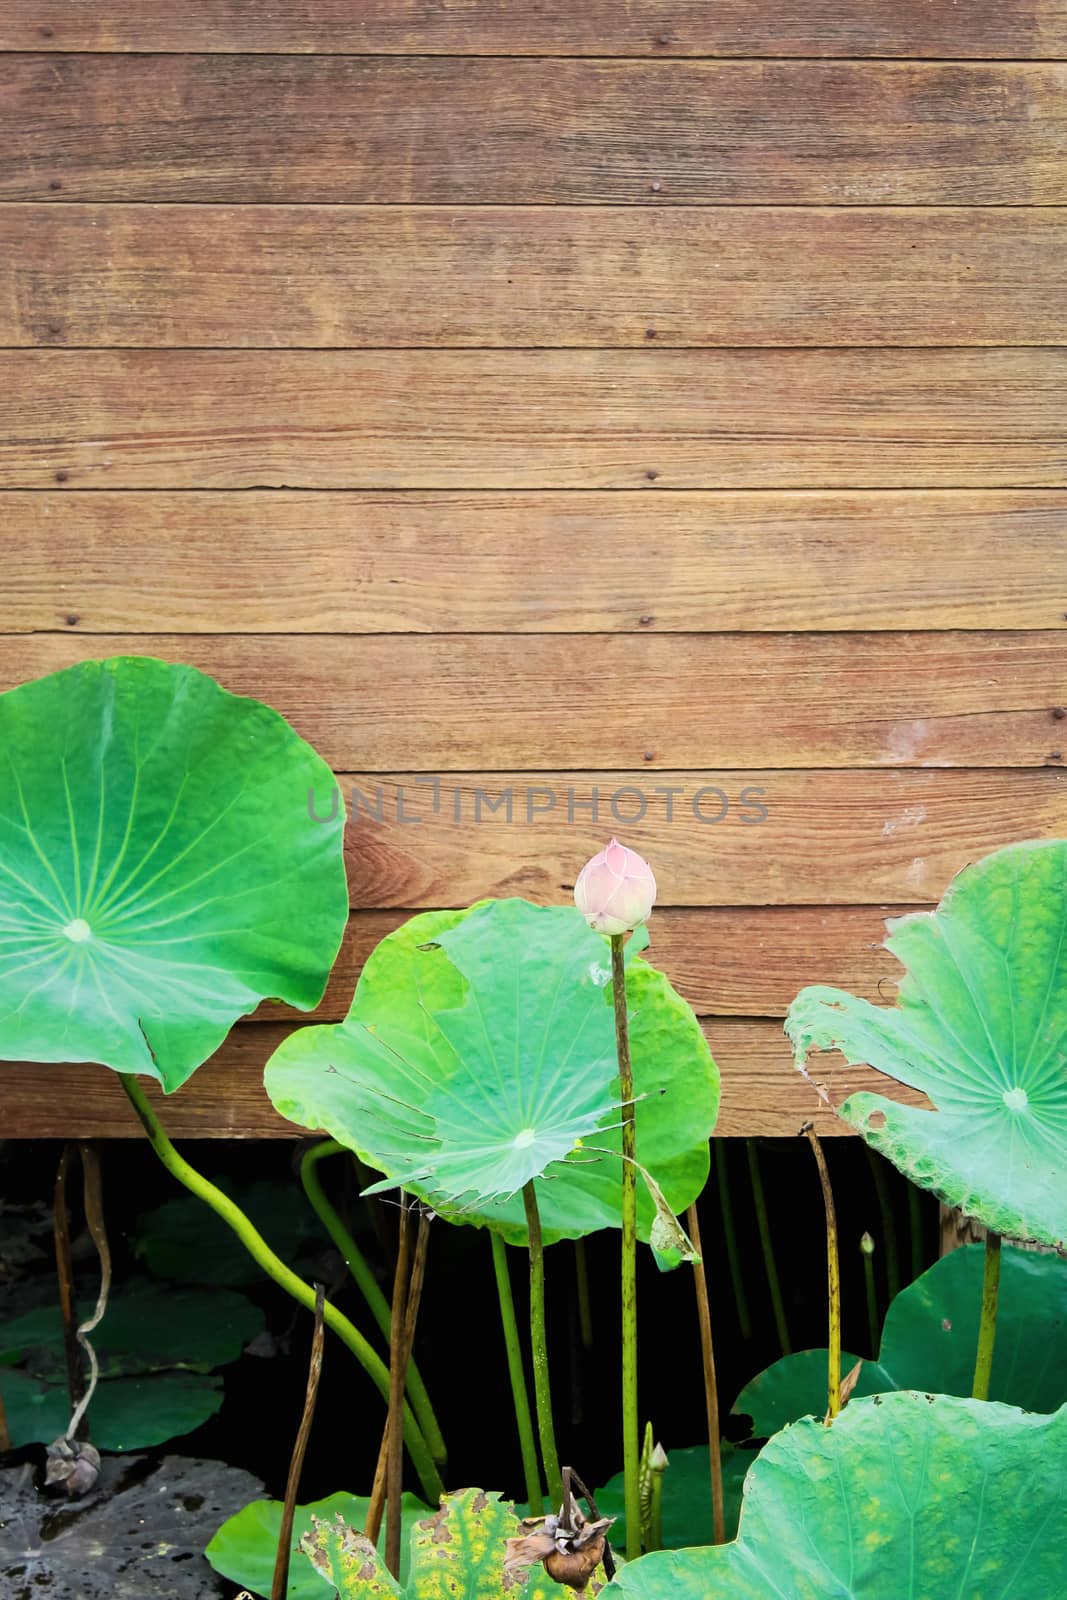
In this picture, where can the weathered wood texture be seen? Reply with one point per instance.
(637, 703)
(534, 419)
(425, 130)
(328, 276)
(763, 1093)
(342, 345)
(351, 562)
(659, 28)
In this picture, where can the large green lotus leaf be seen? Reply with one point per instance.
(980, 1027)
(930, 1340)
(244, 1548)
(160, 872)
(458, 1551)
(906, 1496)
(126, 1413)
(479, 1053)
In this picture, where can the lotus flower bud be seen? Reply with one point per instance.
(615, 890)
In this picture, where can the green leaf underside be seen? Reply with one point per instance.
(147, 1327)
(159, 870)
(479, 1052)
(126, 1413)
(980, 1027)
(244, 1548)
(919, 1497)
(929, 1343)
(457, 1552)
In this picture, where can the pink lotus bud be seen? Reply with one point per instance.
(615, 890)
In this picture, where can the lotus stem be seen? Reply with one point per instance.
(657, 1467)
(833, 1278)
(915, 1230)
(280, 1582)
(631, 1450)
(394, 1465)
(65, 1274)
(539, 1347)
(283, 1276)
(585, 1308)
(367, 1284)
(93, 1200)
(519, 1397)
(733, 1254)
(767, 1246)
(987, 1328)
(889, 1231)
(867, 1251)
(711, 1391)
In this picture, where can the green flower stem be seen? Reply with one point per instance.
(833, 1278)
(889, 1231)
(368, 1285)
(867, 1251)
(288, 1280)
(539, 1347)
(520, 1397)
(733, 1254)
(987, 1328)
(767, 1244)
(631, 1450)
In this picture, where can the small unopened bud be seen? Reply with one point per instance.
(658, 1461)
(867, 1245)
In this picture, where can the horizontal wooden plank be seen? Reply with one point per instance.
(334, 277)
(696, 419)
(326, 562)
(630, 703)
(985, 29)
(748, 961)
(451, 131)
(762, 1091)
(829, 838)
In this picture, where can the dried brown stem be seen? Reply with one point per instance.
(711, 1391)
(280, 1581)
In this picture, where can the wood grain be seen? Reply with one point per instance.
(450, 131)
(333, 277)
(632, 704)
(448, 563)
(762, 1092)
(534, 419)
(658, 28)
(829, 838)
(748, 961)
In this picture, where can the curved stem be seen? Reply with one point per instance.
(631, 1450)
(711, 1390)
(833, 1279)
(367, 1284)
(284, 1276)
(733, 1254)
(519, 1397)
(539, 1348)
(767, 1246)
(987, 1328)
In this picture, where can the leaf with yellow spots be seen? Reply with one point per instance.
(906, 1496)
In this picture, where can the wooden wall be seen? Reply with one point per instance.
(557, 396)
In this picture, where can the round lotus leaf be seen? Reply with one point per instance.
(160, 871)
(980, 1028)
(479, 1053)
(906, 1495)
